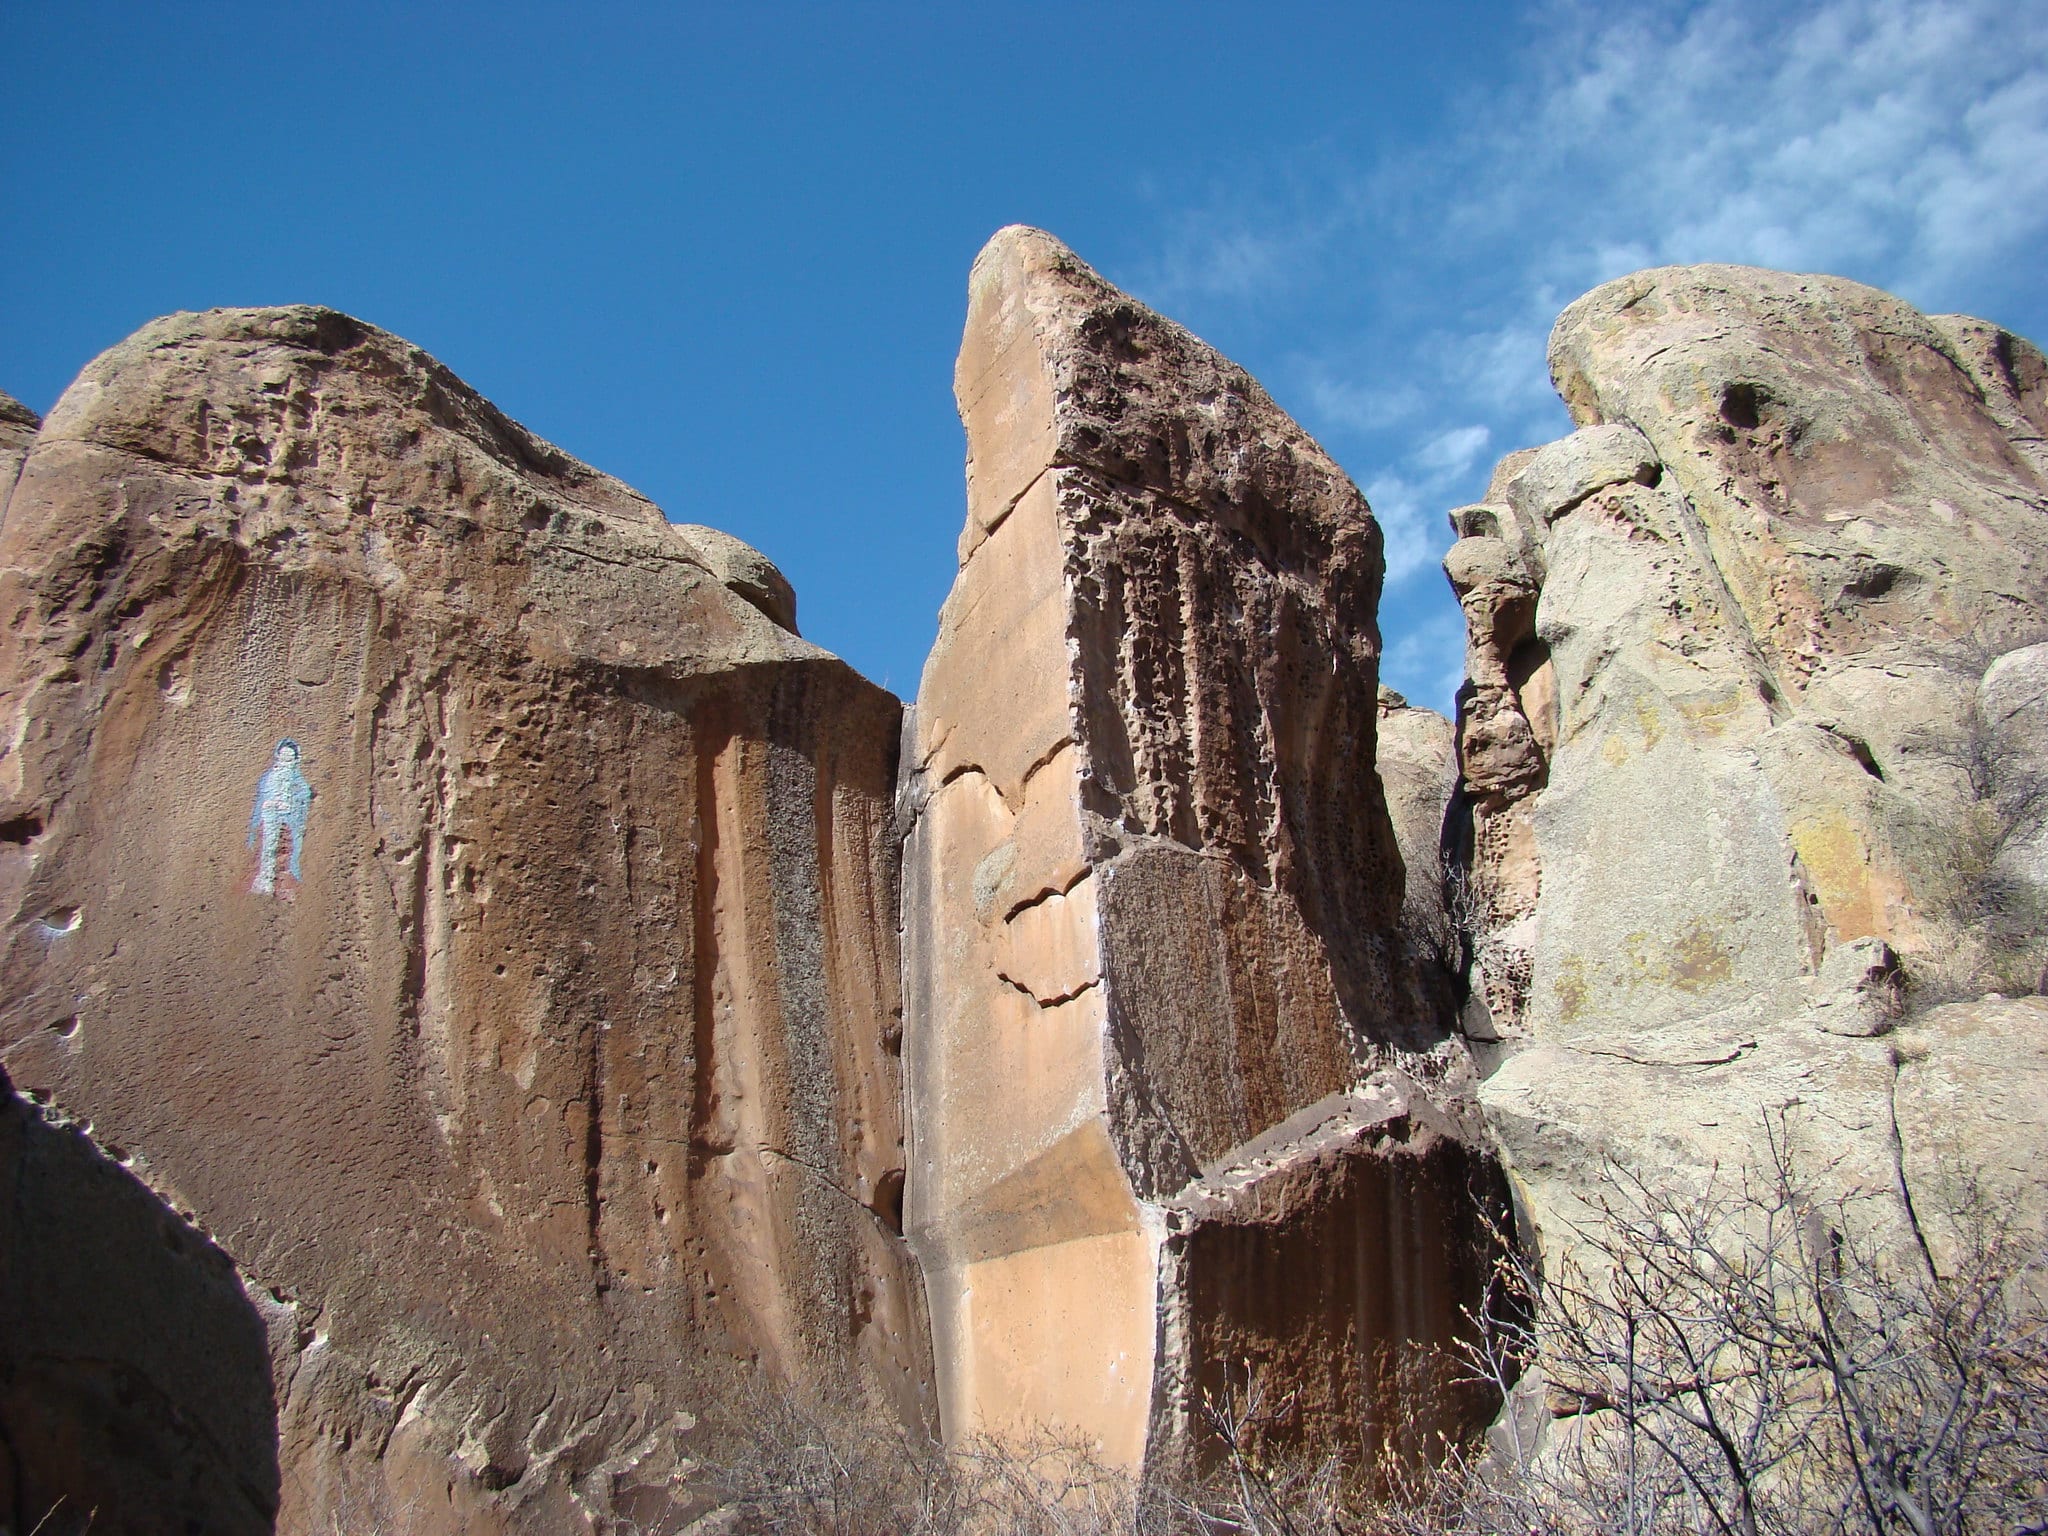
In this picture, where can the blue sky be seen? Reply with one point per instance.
(721, 251)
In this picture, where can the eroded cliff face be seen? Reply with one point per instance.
(1167, 1023)
(1752, 738)
(451, 998)
(464, 906)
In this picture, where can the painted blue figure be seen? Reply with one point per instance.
(283, 798)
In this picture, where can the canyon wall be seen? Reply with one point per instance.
(1183, 1085)
(450, 942)
(1752, 739)
(478, 990)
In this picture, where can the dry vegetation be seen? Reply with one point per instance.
(1744, 1360)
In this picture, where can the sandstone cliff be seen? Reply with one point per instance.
(1172, 1047)
(462, 913)
(1753, 742)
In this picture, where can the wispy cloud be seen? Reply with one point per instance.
(1900, 142)
(1229, 264)
(1908, 140)
(1426, 660)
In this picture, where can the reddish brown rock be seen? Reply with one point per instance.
(463, 916)
(1164, 1015)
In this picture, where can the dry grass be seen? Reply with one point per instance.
(1745, 1360)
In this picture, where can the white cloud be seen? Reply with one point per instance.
(1450, 453)
(1426, 660)
(1362, 407)
(1233, 265)
(1410, 501)
(1399, 504)
(1903, 143)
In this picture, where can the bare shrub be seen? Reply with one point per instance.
(1752, 1360)
(1746, 1359)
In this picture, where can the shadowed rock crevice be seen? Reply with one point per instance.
(1336, 1276)
(135, 1364)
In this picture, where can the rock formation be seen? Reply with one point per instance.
(1169, 1038)
(1752, 738)
(17, 430)
(450, 953)
(473, 979)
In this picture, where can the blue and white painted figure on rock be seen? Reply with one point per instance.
(283, 798)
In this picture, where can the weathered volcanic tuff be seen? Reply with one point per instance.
(455, 904)
(1159, 982)
(1752, 733)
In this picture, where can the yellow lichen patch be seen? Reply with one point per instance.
(1571, 989)
(1715, 714)
(1638, 734)
(1859, 895)
(1699, 958)
(1651, 722)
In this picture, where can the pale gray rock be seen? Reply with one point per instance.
(2012, 712)
(1477, 560)
(1791, 631)
(1971, 1106)
(1562, 474)
(1417, 756)
(1859, 990)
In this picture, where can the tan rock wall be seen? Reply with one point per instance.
(445, 885)
(1154, 904)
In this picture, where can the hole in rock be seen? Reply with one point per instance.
(1742, 406)
(21, 830)
(888, 1204)
(1859, 749)
(1872, 580)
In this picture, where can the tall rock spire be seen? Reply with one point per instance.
(1160, 993)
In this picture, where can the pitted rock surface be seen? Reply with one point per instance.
(1155, 905)
(462, 903)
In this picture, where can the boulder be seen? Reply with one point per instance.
(1182, 1087)
(2011, 718)
(1562, 474)
(1416, 755)
(450, 907)
(1787, 588)
(1971, 1107)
